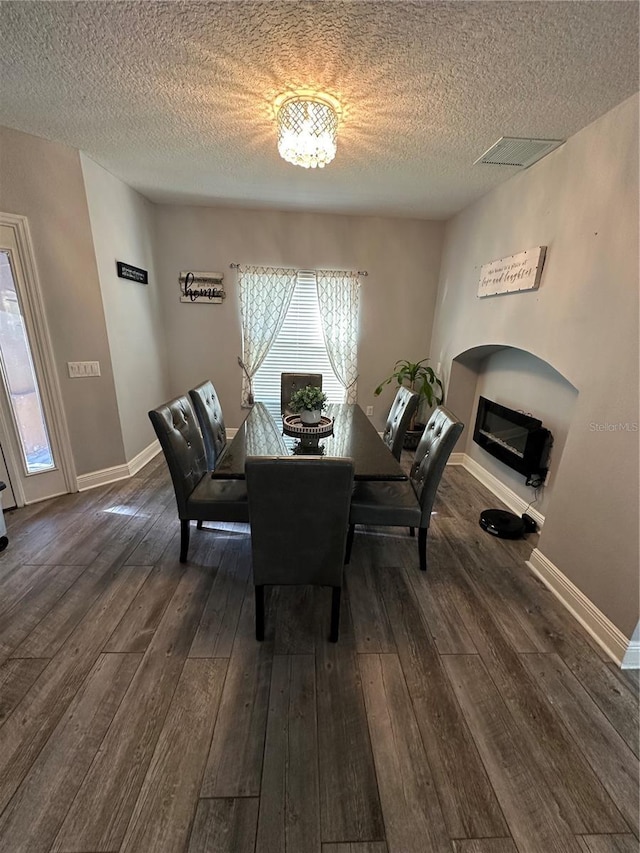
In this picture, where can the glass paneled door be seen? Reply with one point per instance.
(28, 448)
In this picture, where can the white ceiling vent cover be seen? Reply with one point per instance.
(514, 151)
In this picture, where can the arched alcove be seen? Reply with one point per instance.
(522, 381)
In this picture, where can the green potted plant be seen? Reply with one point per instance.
(308, 402)
(421, 378)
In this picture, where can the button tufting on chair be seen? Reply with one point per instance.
(198, 496)
(409, 503)
(209, 413)
(402, 410)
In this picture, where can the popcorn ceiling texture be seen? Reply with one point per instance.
(176, 99)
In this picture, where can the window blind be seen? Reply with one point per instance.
(299, 348)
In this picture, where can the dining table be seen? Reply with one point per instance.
(352, 435)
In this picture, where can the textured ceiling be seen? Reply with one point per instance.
(177, 98)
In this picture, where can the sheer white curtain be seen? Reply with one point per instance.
(338, 300)
(265, 295)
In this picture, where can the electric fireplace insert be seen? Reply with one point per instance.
(518, 440)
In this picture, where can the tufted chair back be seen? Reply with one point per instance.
(292, 382)
(436, 444)
(209, 413)
(402, 410)
(177, 430)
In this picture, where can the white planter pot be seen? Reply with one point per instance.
(310, 418)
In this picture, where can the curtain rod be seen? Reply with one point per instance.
(358, 272)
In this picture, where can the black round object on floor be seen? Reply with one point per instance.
(500, 522)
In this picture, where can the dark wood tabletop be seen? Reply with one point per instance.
(353, 435)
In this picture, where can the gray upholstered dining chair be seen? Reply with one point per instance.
(402, 410)
(292, 382)
(299, 514)
(198, 496)
(209, 413)
(409, 503)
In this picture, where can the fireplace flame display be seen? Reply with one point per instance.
(518, 440)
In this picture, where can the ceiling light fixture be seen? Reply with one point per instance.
(307, 126)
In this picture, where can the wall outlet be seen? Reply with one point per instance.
(369, 411)
(83, 369)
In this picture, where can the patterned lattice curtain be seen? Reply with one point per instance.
(338, 299)
(265, 295)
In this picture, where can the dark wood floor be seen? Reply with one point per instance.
(462, 711)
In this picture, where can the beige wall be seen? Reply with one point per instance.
(401, 256)
(582, 202)
(43, 181)
(122, 227)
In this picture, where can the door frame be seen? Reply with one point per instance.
(43, 360)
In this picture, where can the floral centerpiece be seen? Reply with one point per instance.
(308, 402)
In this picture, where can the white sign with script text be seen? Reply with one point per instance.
(517, 272)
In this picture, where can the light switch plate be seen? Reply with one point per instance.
(83, 369)
(369, 411)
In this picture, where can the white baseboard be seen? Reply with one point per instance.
(457, 459)
(102, 477)
(230, 432)
(138, 462)
(604, 632)
(504, 493)
(631, 659)
(118, 472)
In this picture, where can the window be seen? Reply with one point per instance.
(280, 333)
(298, 347)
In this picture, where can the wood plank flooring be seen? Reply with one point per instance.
(462, 711)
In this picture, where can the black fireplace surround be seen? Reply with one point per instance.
(518, 440)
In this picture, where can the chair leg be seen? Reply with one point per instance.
(335, 613)
(412, 531)
(185, 526)
(259, 612)
(422, 548)
(352, 530)
(199, 525)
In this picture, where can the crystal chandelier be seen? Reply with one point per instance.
(307, 128)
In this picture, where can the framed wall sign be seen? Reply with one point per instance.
(132, 273)
(201, 287)
(517, 272)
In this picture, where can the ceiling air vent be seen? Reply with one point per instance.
(513, 151)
